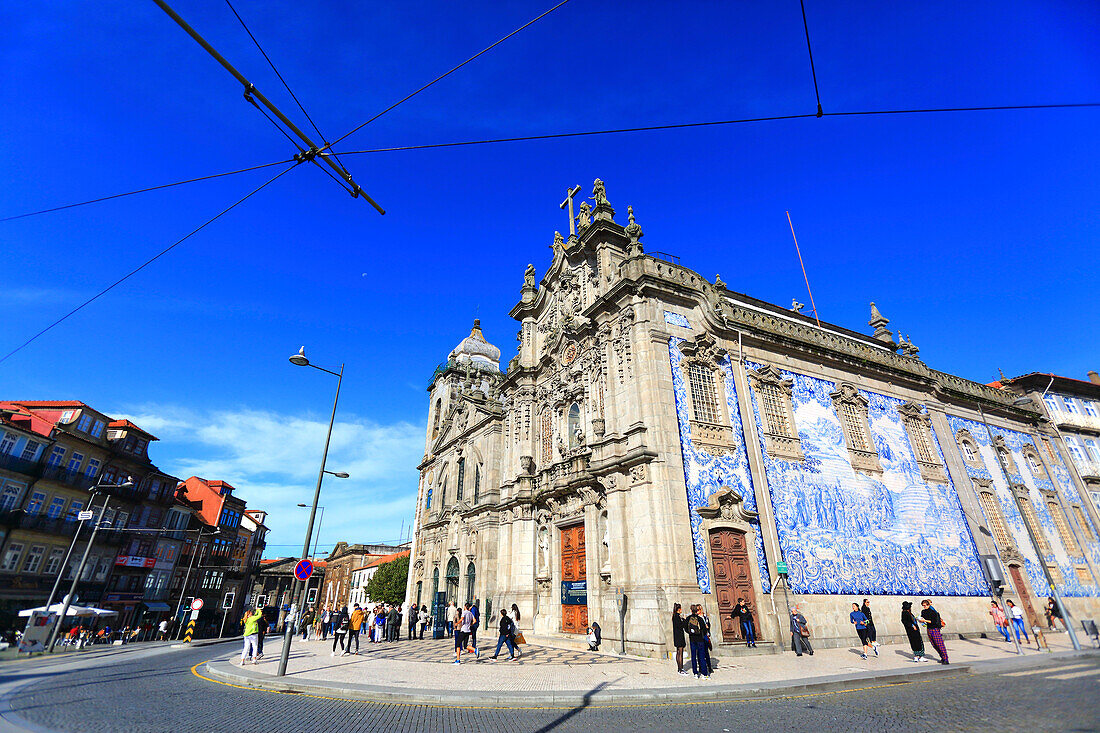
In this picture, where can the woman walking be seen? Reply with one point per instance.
(678, 639)
(518, 638)
(341, 623)
(696, 629)
(872, 633)
(912, 630)
(506, 634)
(932, 621)
(999, 620)
(1018, 621)
(859, 620)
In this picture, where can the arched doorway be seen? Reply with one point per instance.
(471, 576)
(452, 580)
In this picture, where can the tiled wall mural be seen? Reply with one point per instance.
(1015, 441)
(1061, 475)
(704, 474)
(844, 532)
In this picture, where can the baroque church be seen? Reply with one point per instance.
(658, 438)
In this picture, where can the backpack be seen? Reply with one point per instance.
(695, 626)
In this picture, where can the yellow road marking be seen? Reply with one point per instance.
(195, 672)
(1073, 675)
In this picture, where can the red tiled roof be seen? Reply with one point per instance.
(130, 426)
(382, 560)
(49, 403)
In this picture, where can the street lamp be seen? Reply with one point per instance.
(128, 483)
(187, 577)
(300, 359)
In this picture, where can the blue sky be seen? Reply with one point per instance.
(974, 232)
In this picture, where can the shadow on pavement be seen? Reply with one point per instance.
(566, 716)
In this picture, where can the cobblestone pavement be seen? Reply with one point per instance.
(159, 692)
(442, 651)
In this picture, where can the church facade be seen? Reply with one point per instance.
(659, 439)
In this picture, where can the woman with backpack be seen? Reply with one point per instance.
(696, 628)
(340, 625)
(507, 632)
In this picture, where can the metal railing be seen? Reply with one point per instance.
(62, 475)
(20, 465)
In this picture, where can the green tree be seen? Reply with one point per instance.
(387, 585)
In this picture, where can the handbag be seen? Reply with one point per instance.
(519, 638)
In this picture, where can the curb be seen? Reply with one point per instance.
(225, 671)
(206, 642)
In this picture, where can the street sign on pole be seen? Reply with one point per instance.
(85, 515)
(196, 606)
(303, 570)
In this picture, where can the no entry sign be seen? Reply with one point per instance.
(303, 570)
(196, 605)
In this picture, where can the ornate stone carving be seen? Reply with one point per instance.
(529, 273)
(638, 473)
(773, 395)
(727, 505)
(634, 249)
(598, 427)
(527, 463)
(584, 216)
(703, 348)
(599, 194)
(878, 322)
(796, 306)
(918, 427)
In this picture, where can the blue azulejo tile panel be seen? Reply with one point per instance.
(1059, 555)
(1085, 536)
(677, 319)
(844, 532)
(705, 474)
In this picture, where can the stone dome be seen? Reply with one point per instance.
(474, 348)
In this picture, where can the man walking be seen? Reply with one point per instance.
(357, 616)
(462, 635)
(507, 633)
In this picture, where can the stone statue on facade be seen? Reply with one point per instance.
(599, 194)
(529, 273)
(578, 437)
(718, 282)
(796, 306)
(584, 218)
(559, 242)
(544, 551)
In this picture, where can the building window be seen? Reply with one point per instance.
(1033, 522)
(1005, 456)
(1090, 408)
(34, 559)
(74, 509)
(704, 402)
(75, 460)
(7, 445)
(851, 407)
(35, 504)
(1033, 463)
(428, 499)
(92, 468)
(996, 520)
(1060, 524)
(970, 453)
(1093, 450)
(576, 434)
(1071, 405)
(57, 505)
(471, 576)
(918, 427)
(97, 429)
(85, 423)
(773, 394)
(477, 482)
(1083, 522)
(1052, 403)
(461, 478)
(10, 497)
(53, 562)
(11, 557)
(545, 438)
(30, 451)
(101, 569)
(56, 456)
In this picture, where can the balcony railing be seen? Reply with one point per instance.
(1075, 420)
(1087, 469)
(62, 475)
(19, 465)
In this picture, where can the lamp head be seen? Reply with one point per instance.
(342, 474)
(303, 505)
(128, 483)
(1021, 401)
(300, 359)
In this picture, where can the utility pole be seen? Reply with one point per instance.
(76, 577)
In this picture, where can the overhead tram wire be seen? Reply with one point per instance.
(712, 123)
(440, 77)
(251, 93)
(143, 190)
(152, 259)
(287, 86)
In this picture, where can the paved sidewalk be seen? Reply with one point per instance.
(422, 672)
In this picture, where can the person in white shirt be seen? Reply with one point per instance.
(1018, 621)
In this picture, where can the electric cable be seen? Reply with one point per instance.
(711, 123)
(143, 190)
(151, 260)
(287, 86)
(443, 76)
(806, 27)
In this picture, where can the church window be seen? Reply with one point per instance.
(703, 400)
(574, 425)
(773, 394)
(969, 452)
(435, 586)
(471, 576)
(461, 479)
(996, 520)
(1033, 463)
(435, 420)
(1083, 521)
(546, 454)
(1064, 532)
(918, 427)
(477, 482)
(851, 407)
(1033, 522)
(452, 580)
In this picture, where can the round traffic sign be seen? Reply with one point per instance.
(303, 570)
(196, 604)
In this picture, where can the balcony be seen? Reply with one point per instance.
(19, 465)
(74, 479)
(1087, 469)
(63, 526)
(1075, 420)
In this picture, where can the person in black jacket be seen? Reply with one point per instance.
(912, 630)
(743, 616)
(678, 639)
(507, 632)
(341, 622)
(932, 621)
(800, 633)
(696, 627)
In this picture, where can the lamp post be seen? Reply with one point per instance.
(129, 482)
(187, 577)
(1030, 532)
(300, 359)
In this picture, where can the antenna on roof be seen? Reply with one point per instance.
(807, 279)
